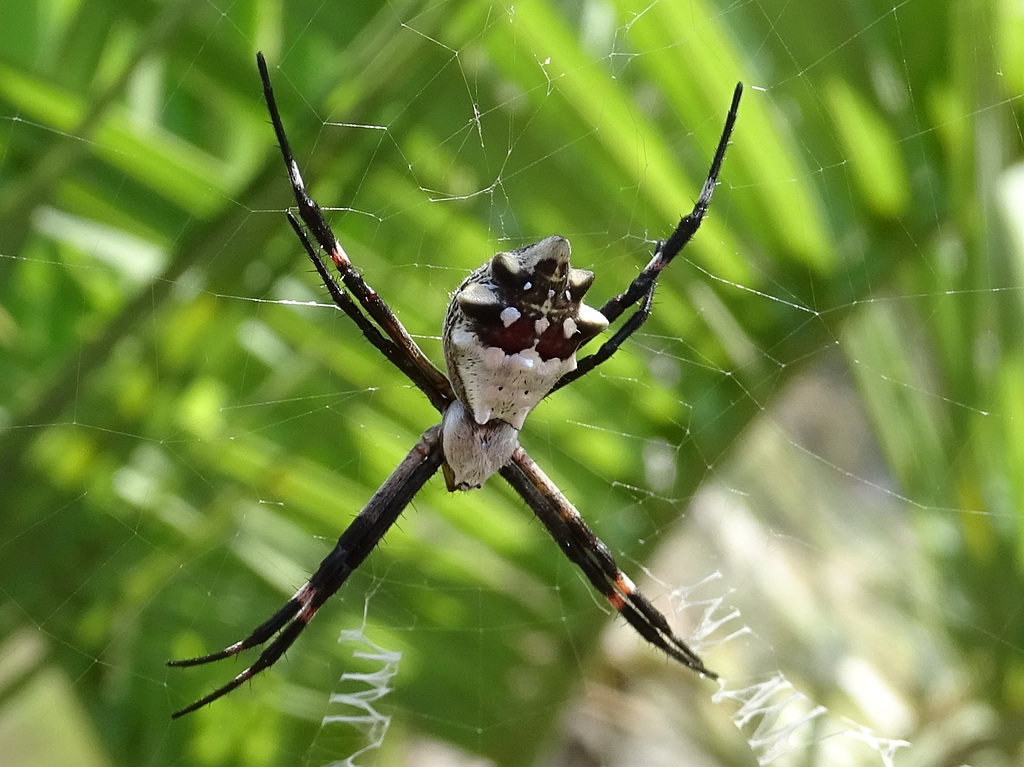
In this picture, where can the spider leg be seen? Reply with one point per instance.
(358, 540)
(429, 379)
(593, 557)
(688, 225)
(609, 347)
(642, 288)
(384, 345)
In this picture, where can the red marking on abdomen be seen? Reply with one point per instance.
(553, 343)
(522, 334)
(514, 338)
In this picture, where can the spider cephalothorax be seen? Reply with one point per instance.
(511, 332)
(510, 339)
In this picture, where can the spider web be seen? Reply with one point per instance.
(808, 458)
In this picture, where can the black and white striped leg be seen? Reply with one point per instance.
(609, 347)
(586, 550)
(642, 288)
(688, 225)
(384, 345)
(358, 540)
(439, 389)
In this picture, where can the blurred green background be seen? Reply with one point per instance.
(823, 417)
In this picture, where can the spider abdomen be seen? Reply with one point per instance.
(473, 451)
(504, 386)
(513, 328)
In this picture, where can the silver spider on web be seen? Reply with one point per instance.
(510, 339)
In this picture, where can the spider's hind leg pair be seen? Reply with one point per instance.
(510, 339)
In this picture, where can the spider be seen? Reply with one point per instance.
(510, 339)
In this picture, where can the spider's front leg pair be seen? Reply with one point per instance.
(510, 339)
